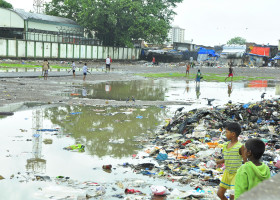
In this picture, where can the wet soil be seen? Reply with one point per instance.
(21, 89)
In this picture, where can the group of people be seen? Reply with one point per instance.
(46, 67)
(199, 76)
(239, 178)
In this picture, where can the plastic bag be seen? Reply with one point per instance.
(162, 156)
(159, 190)
(211, 164)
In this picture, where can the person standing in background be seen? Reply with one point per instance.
(45, 68)
(108, 63)
(85, 68)
(154, 61)
(73, 68)
(188, 69)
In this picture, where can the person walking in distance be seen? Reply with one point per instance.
(230, 73)
(73, 68)
(188, 69)
(46, 68)
(85, 69)
(108, 63)
(198, 77)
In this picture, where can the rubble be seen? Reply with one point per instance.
(183, 152)
(188, 145)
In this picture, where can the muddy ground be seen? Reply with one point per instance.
(19, 88)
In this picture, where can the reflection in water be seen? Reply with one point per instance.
(36, 164)
(187, 86)
(107, 88)
(84, 92)
(260, 83)
(229, 89)
(197, 90)
(95, 127)
(174, 90)
(141, 90)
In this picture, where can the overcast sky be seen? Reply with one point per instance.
(214, 22)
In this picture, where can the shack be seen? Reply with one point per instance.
(261, 54)
(233, 54)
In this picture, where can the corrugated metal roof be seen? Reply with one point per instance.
(49, 18)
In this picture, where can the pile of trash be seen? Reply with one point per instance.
(188, 145)
(182, 153)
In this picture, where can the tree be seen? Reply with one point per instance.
(5, 4)
(119, 22)
(237, 40)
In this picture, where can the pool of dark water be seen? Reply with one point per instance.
(111, 135)
(177, 90)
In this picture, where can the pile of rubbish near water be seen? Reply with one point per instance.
(182, 154)
(189, 144)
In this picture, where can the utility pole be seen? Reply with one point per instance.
(38, 6)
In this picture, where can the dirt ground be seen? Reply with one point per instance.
(22, 89)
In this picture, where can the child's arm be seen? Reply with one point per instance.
(221, 161)
(241, 152)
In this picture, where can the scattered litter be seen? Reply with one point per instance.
(116, 141)
(75, 113)
(48, 141)
(47, 130)
(76, 147)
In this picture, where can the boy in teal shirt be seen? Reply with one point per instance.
(252, 172)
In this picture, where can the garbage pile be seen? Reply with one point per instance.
(188, 145)
(182, 154)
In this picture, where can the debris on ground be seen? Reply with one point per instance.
(75, 147)
(48, 141)
(183, 152)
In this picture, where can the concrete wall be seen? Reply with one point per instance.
(21, 49)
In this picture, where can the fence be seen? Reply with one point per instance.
(24, 49)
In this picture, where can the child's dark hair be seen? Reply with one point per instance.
(256, 146)
(198, 70)
(233, 127)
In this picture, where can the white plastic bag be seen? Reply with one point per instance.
(211, 164)
(159, 190)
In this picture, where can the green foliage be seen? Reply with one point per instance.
(5, 4)
(237, 40)
(119, 22)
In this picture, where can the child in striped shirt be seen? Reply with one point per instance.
(233, 156)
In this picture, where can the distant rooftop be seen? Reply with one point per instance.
(49, 18)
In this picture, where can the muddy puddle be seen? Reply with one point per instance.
(177, 90)
(111, 135)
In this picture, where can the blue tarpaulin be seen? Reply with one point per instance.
(210, 52)
(276, 57)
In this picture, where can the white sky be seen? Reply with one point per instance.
(214, 22)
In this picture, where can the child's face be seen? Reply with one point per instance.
(247, 152)
(229, 134)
